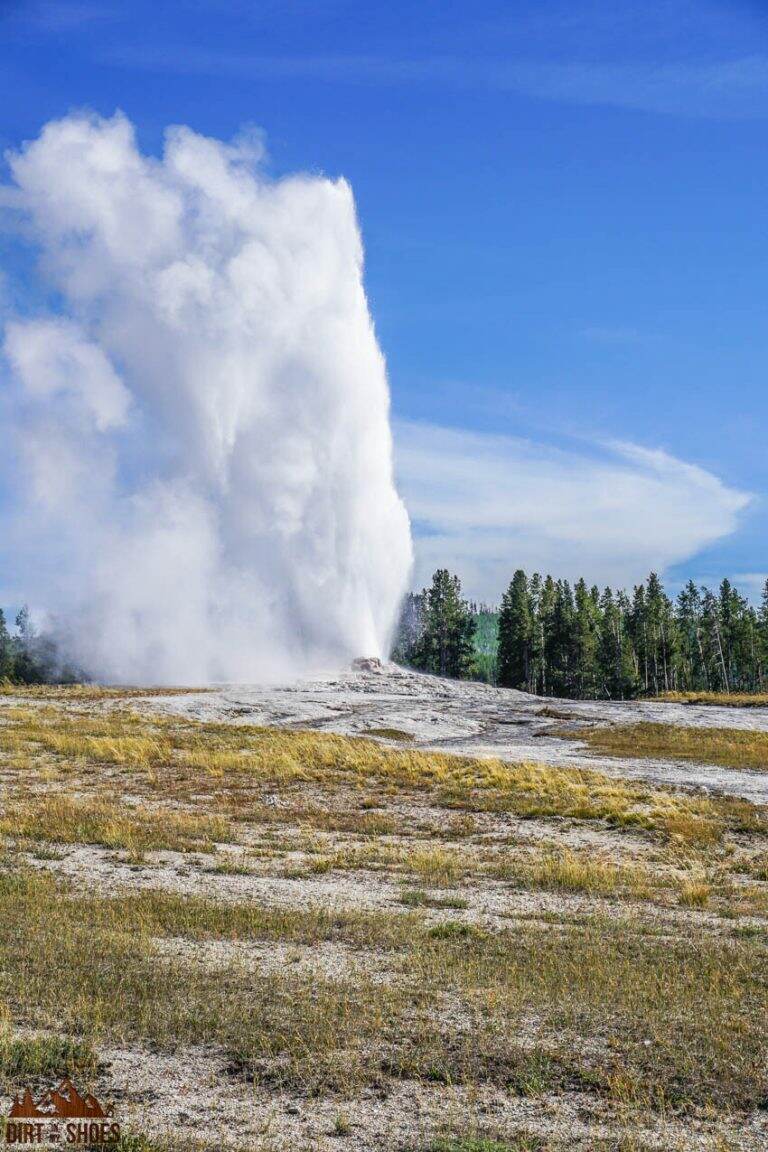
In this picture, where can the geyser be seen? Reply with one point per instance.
(202, 459)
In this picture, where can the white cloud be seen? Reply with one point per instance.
(485, 505)
(750, 584)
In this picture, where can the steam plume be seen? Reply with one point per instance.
(201, 426)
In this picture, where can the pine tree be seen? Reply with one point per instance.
(693, 667)
(543, 627)
(25, 666)
(586, 639)
(536, 644)
(616, 663)
(515, 635)
(546, 640)
(738, 627)
(762, 639)
(713, 642)
(638, 624)
(410, 628)
(660, 634)
(561, 646)
(446, 644)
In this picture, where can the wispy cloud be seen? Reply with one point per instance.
(727, 88)
(732, 88)
(485, 504)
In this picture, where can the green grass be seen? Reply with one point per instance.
(677, 1018)
(159, 913)
(418, 898)
(30, 1058)
(452, 930)
(671, 1024)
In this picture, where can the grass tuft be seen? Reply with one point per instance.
(418, 898)
(31, 1058)
(695, 893)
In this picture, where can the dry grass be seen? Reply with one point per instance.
(89, 692)
(568, 871)
(228, 758)
(60, 820)
(671, 1024)
(390, 734)
(358, 823)
(729, 747)
(532, 1142)
(695, 893)
(138, 1142)
(103, 739)
(548, 869)
(720, 699)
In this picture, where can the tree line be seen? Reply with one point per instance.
(554, 639)
(29, 658)
(547, 637)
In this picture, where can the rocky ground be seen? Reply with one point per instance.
(474, 720)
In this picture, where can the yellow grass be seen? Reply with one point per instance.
(568, 871)
(720, 699)
(695, 893)
(729, 747)
(61, 820)
(220, 756)
(88, 692)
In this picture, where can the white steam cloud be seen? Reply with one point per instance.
(200, 426)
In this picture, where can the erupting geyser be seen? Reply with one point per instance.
(202, 459)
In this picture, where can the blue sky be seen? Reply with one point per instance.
(563, 208)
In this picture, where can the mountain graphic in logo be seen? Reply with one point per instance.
(64, 1101)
